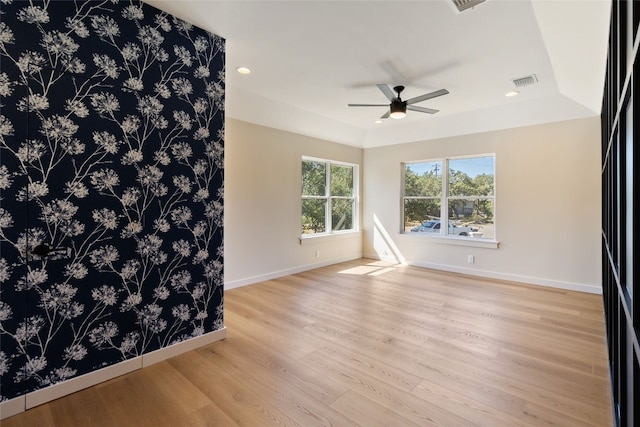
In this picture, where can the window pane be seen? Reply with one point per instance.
(417, 211)
(313, 178)
(423, 179)
(313, 216)
(341, 180)
(471, 217)
(471, 177)
(341, 214)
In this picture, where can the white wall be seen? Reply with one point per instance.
(547, 205)
(263, 205)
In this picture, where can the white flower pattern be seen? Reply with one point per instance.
(120, 172)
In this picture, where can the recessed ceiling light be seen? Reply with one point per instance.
(512, 93)
(243, 70)
(378, 121)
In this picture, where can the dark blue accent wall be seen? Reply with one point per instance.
(111, 160)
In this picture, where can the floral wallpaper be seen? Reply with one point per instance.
(111, 186)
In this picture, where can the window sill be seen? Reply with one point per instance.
(456, 241)
(315, 238)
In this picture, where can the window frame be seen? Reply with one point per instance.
(329, 231)
(443, 236)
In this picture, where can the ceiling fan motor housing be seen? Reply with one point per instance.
(398, 107)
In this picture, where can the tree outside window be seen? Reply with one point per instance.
(328, 196)
(463, 196)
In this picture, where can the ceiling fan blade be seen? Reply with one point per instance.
(368, 105)
(387, 91)
(385, 115)
(427, 96)
(421, 109)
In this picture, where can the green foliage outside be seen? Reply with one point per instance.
(313, 178)
(418, 210)
(313, 216)
(341, 192)
(428, 186)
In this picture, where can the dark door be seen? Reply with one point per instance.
(70, 237)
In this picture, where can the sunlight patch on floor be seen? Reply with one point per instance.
(374, 268)
(382, 271)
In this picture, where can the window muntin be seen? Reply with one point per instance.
(328, 196)
(463, 197)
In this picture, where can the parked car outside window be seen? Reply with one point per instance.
(433, 226)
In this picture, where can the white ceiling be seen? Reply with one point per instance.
(311, 58)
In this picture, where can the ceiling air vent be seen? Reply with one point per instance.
(462, 5)
(525, 81)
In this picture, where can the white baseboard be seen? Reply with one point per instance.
(530, 280)
(22, 403)
(281, 273)
(182, 347)
(12, 407)
(81, 382)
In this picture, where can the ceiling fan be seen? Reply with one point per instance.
(398, 108)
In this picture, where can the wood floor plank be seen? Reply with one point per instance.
(174, 389)
(367, 343)
(293, 346)
(404, 404)
(541, 415)
(471, 409)
(239, 402)
(85, 409)
(40, 416)
(209, 416)
(288, 398)
(271, 361)
(365, 412)
(133, 398)
(486, 375)
(157, 395)
(371, 366)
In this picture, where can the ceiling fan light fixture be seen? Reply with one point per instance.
(398, 110)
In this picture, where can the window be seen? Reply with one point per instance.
(459, 192)
(328, 196)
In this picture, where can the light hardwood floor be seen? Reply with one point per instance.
(367, 344)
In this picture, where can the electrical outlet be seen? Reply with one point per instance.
(470, 259)
(317, 254)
